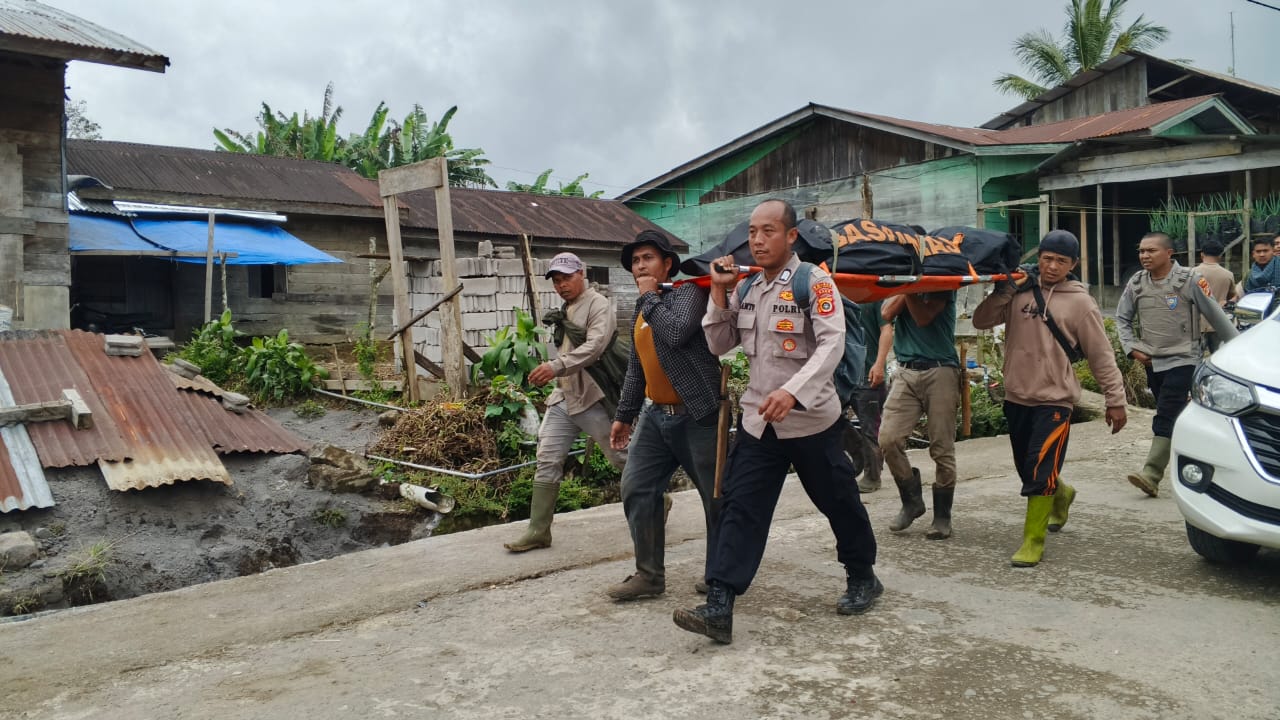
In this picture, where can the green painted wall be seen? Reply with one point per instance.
(1002, 179)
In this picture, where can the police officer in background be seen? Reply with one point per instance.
(791, 416)
(1167, 301)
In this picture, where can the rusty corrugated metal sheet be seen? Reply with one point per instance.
(42, 30)
(227, 432)
(146, 431)
(39, 365)
(498, 212)
(1093, 126)
(131, 168)
(1119, 122)
(22, 481)
(164, 446)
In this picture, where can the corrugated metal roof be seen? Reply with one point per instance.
(132, 168)
(22, 481)
(498, 212)
(37, 29)
(236, 179)
(962, 138)
(1119, 122)
(146, 431)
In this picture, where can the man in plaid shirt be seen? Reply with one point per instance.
(672, 367)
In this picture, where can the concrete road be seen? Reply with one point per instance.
(1121, 620)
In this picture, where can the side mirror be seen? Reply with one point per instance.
(1254, 308)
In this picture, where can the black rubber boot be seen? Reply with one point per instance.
(713, 619)
(941, 527)
(860, 593)
(912, 502)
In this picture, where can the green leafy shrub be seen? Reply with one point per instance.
(513, 353)
(276, 369)
(213, 347)
(309, 410)
(986, 416)
(1133, 372)
(330, 517)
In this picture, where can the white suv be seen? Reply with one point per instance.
(1226, 444)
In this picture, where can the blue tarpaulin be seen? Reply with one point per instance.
(244, 243)
(90, 233)
(252, 243)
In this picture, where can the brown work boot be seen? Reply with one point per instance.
(637, 586)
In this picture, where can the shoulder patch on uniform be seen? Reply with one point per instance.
(1204, 287)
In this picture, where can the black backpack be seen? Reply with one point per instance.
(849, 376)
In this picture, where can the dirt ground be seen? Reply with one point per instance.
(97, 544)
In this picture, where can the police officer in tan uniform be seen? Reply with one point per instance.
(790, 417)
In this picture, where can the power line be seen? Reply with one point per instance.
(1269, 7)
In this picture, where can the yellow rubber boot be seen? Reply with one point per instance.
(1062, 500)
(1033, 531)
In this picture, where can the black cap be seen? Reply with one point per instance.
(1212, 248)
(656, 239)
(1062, 243)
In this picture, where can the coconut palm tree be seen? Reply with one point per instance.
(1093, 34)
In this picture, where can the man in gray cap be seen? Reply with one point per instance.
(672, 367)
(576, 405)
(1039, 383)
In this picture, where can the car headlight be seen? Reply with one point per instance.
(1221, 393)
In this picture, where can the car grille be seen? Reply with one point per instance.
(1240, 506)
(1262, 430)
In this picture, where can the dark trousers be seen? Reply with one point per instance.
(659, 444)
(1172, 389)
(753, 482)
(1039, 436)
(868, 404)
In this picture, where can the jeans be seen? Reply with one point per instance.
(558, 431)
(659, 444)
(753, 482)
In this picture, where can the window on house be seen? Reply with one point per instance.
(266, 281)
(598, 275)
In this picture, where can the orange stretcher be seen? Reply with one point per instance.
(870, 288)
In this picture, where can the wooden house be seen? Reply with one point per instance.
(326, 206)
(36, 43)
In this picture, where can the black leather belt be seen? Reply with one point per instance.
(928, 364)
(670, 409)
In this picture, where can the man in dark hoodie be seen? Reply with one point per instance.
(1039, 382)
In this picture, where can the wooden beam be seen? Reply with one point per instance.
(534, 306)
(1161, 171)
(17, 225)
(426, 364)
(1152, 157)
(1115, 236)
(1011, 203)
(1084, 245)
(451, 321)
(208, 274)
(407, 178)
(1166, 86)
(1102, 271)
(71, 407)
(400, 291)
(414, 320)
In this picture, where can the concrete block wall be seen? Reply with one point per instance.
(491, 289)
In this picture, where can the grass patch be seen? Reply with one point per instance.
(309, 410)
(330, 517)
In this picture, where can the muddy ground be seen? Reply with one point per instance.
(98, 544)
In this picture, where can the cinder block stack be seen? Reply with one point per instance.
(493, 284)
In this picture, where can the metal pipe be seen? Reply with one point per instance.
(459, 473)
(356, 399)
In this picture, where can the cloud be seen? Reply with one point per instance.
(624, 91)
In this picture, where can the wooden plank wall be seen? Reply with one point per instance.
(1117, 90)
(35, 267)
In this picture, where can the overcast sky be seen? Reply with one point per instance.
(623, 90)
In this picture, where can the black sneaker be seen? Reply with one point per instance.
(860, 595)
